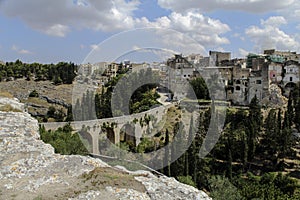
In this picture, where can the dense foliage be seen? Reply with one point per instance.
(249, 157)
(64, 141)
(59, 73)
(129, 98)
(199, 88)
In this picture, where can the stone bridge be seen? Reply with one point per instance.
(117, 129)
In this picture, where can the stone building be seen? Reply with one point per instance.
(194, 58)
(255, 86)
(218, 57)
(291, 75)
(111, 70)
(255, 61)
(275, 72)
(287, 55)
(239, 90)
(242, 78)
(179, 62)
(181, 70)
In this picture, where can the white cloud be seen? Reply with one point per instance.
(271, 36)
(20, 51)
(56, 17)
(256, 6)
(243, 53)
(206, 31)
(276, 21)
(292, 13)
(94, 46)
(57, 30)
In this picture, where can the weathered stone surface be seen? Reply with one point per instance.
(275, 99)
(55, 101)
(13, 102)
(29, 169)
(172, 189)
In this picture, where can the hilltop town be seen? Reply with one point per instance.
(242, 78)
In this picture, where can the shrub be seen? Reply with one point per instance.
(34, 93)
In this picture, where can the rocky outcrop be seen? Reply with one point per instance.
(55, 101)
(12, 102)
(30, 169)
(275, 99)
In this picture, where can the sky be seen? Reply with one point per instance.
(82, 31)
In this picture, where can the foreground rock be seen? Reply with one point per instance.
(30, 169)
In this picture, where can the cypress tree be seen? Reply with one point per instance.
(167, 169)
(229, 170)
(255, 122)
(245, 150)
(190, 152)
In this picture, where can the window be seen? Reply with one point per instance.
(238, 88)
(291, 79)
(238, 82)
(258, 81)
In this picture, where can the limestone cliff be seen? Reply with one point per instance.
(29, 169)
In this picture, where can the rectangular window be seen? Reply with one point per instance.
(258, 81)
(291, 79)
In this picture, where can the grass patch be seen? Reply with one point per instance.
(102, 177)
(6, 94)
(36, 100)
(9, 108)
(38, 198)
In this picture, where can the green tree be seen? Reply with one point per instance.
(199, 88)
(255, 123)
(167, 168)
(34, 93)
(64, 141)
(221, 188)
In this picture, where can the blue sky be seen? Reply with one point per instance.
(69, 30)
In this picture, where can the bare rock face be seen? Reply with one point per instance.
(29, 169)
(275, 99)
(14, 103)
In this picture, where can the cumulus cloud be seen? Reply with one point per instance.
(255, 6)
(56, 17)
(20, 51)
(269, 35)
(57, 30)
(206, 31)
(276, 21)
(292, 13)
